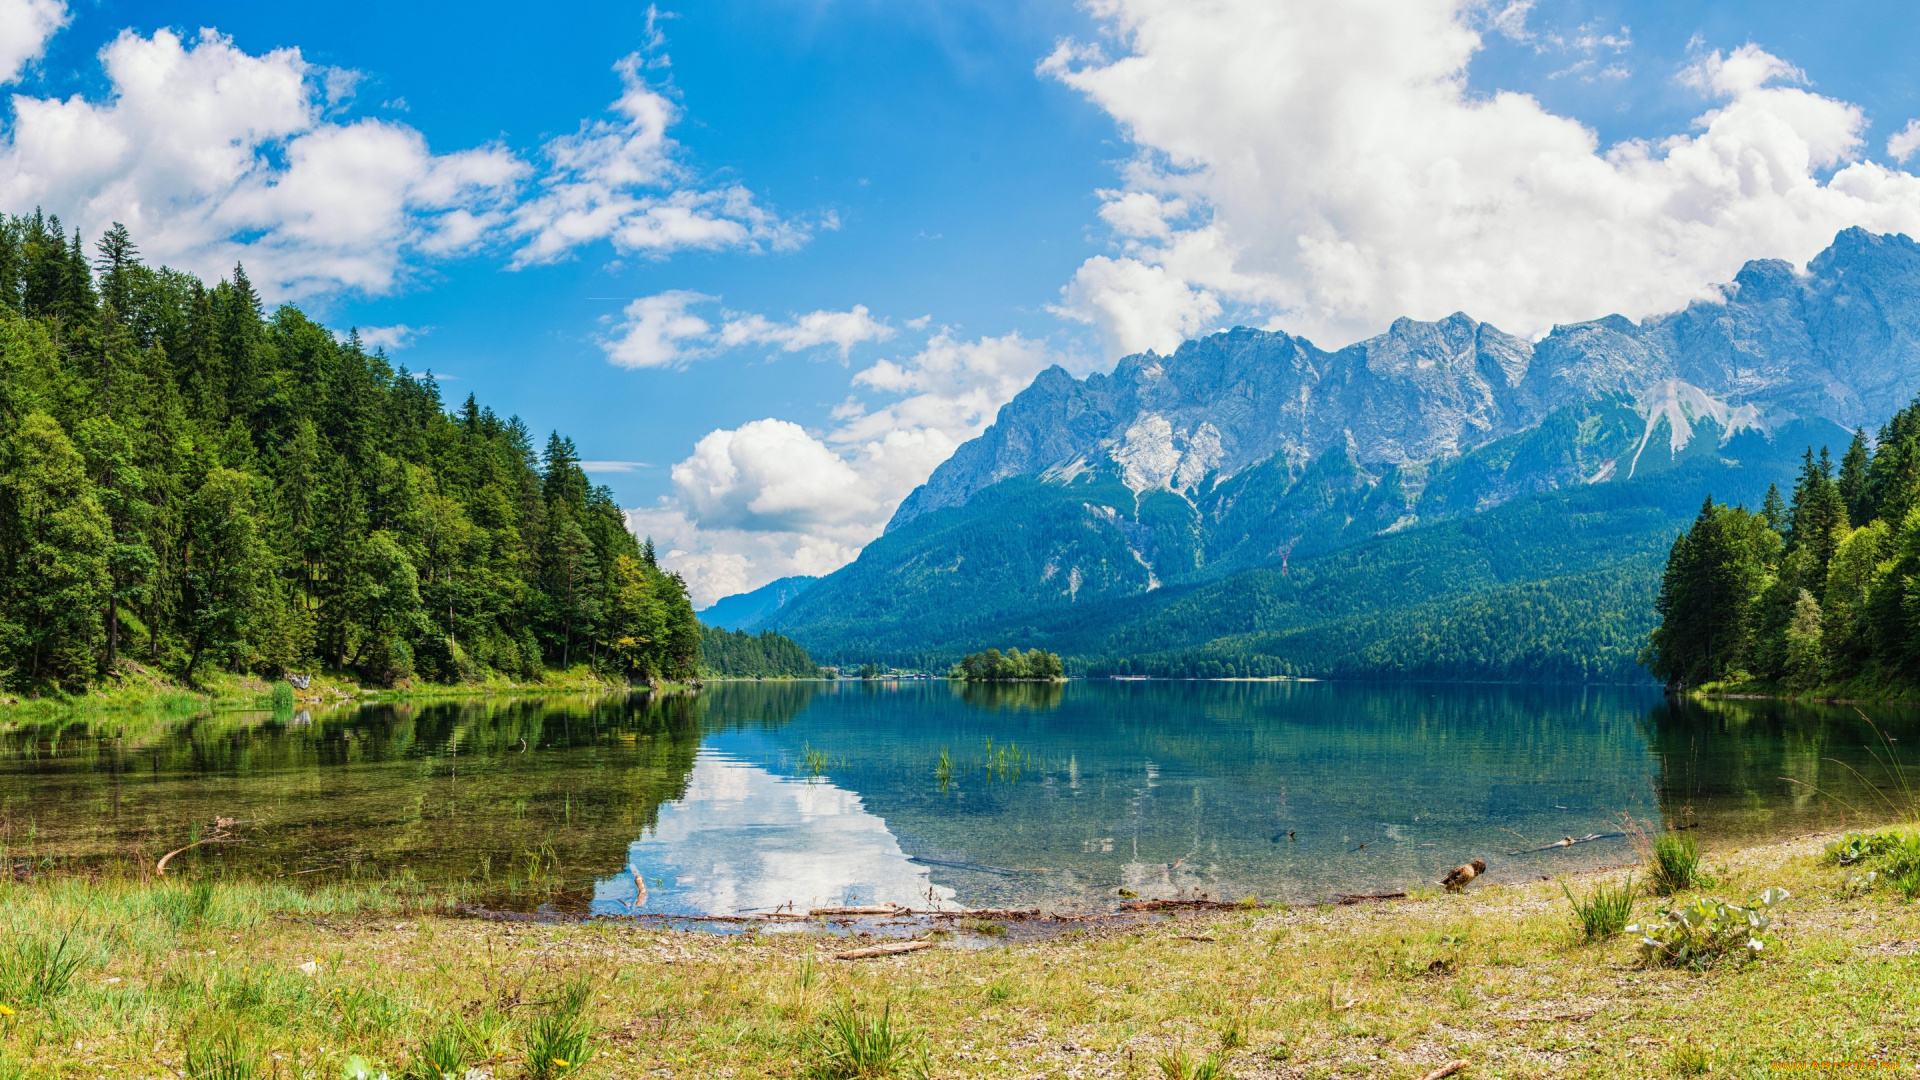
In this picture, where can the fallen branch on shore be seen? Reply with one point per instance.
(222, 834)
(879, 909)
(1569, 841)
(1446, 1070)
(1361, 898)
(892, 949)
(1178, 905)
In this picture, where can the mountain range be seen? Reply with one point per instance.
(741, 610)
(1443, 500)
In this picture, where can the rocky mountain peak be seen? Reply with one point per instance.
(1839, 340)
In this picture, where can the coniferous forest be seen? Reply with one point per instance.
(189, 483)
(1821, 590)
(736, 654)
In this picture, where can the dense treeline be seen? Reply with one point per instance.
(1013, 665)
(1822, 589)
(736, 654)
(187, 482)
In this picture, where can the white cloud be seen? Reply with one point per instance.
(213, 156)
(841, 329)
(613, 466)
(769, 498)
(1901, 144)
(661, 331)
(621, 180)
(653, 328)
(1137, 305)
(25, 28)
(1326, 165)
(391, 338)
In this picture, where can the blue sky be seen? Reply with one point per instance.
(1163, 173)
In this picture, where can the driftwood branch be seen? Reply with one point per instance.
(1361, 898)
(893, 949)
(222, 834)
(1569, 841)
(1446, 1070)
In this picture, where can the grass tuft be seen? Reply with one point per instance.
(854, 1046)
(1674, 865)
(1605, 912)
(222, 1054)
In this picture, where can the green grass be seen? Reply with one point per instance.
(229, 979)
(1604, 912)
(1675, 864)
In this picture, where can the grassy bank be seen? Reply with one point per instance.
(234, 980)
(138, 690)
(1856, 692)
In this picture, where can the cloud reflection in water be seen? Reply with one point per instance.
(744, 839)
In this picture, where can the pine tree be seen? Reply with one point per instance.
(1853, 485)
(54, 541)
(1817, 511)
(1773, 511)
(225, 568)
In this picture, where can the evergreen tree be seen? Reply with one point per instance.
(1854, 486)
(54, 542)
(224, 568)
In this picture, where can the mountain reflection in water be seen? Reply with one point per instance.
(754, 795)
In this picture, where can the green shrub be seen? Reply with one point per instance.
(1605, 912)
(1706, 931)
(1674, 865)
(281, 700)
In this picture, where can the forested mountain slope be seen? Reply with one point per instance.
(188, 482)
(1101, 502)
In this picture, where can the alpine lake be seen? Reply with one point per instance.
(748, 798)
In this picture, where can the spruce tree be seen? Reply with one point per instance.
(1855, 491)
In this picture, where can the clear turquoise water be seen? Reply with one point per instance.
(750, 797)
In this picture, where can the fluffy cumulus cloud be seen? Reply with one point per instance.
(211, 156)
(25, 27)
(1325, 166)
(663, 331)
(770, 498)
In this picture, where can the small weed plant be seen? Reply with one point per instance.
(1889, 857)
(1604, 912)
(856, 1046)
(1704, 932)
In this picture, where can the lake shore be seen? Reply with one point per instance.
(1836, 694)
(301, 981)
(142, 691)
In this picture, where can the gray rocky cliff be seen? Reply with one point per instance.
(1838, 340)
